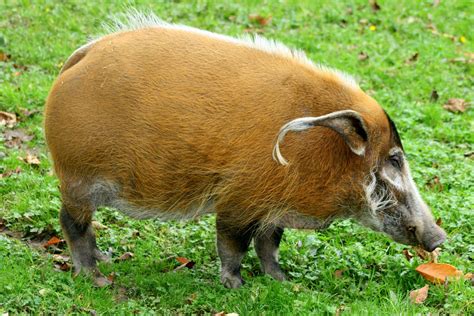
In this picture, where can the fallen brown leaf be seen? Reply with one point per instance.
(15, 138)
(340, 309)
(57, 258)
(10, 172)
(413, 58)
(407, 254)
(456, 105)
(469, 154)
(191, 298)
(362, 56)
(4, 56)
(254, 17)
(7, 119)
(374, 5)
(98, 226)
(66, 266)
(126, 256)
(423, 254)
(28, 113)
(53, 241)
(111, 277)
(434, 30)
(338, 274)
(439, 222)
(32, 159)
(434, 95)
(20, 67)
(186, 262)
(420, 295)
(461, 60)
(435, 184)
(438, 272)
(420, 252)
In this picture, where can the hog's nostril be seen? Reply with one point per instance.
(433, 246)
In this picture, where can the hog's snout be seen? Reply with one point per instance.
(432, 237)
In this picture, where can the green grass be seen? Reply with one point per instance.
(376, 277)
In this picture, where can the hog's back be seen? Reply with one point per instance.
(166, 115)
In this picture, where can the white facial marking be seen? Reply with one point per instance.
(395, 177)
(378, 198)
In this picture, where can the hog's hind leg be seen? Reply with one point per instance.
(266, 245)
(76, 223)
(232, 245)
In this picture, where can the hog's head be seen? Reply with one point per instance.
(394, 203)
(391, 201)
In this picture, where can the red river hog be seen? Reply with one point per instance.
(167, 121)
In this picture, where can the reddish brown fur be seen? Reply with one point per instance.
(175, 117)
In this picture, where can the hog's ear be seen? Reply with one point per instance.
(349, 124)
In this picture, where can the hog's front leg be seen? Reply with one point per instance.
(266, 245)
(232, 245)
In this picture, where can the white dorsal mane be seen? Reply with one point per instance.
(134, 20)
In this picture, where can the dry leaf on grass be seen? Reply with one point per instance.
(456, 105)
(340, 309)
(469, 154)
(412, 59)
(420, 295)
(260, 19)
(423, 254)
(434, 31)
(61, 258)
(62, 262)
(374, 5)
(15, 138)
(191, 298)
(31, 159)
(53, 241)
(185, 262)
(438, 272)
(4, 56)
(10, 172)
(28, 113)
(468, 59)
(7, 119)
(126, 256)
(98, 226)
(111, 277)
(407, 254)
(434, 95)
(435, 184)
(362, 56)
(338, 274)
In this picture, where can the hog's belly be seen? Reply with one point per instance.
(299, 221)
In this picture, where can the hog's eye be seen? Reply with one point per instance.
(396, 161)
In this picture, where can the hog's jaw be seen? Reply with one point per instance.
(394, 205)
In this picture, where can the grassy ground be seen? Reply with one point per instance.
(407, 60)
